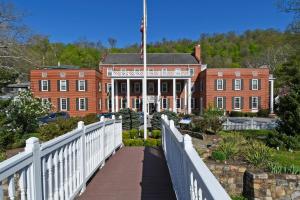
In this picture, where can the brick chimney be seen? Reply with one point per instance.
(197, 52)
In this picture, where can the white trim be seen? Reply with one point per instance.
(79, 85)
(177, 71)
(61, 105)
(109, 72)
(222, 81)
(164, 71)
(108, 87)
(79, 104)
(252, 102)
(100, 104)
(240, 102)
(162, 86)
(192, 71)
(42, 85)
(61, 84)
(252, 88)
(236, 85)
(99, 86)
(222, 98)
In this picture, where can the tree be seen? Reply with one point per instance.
(112, 42)
(213, 119)
(130, 119)
(7, 76)
(156, 119)
(24, 110)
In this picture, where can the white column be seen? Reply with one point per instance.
(272, 96)
(128, 93)
(117, 93)
(189, 96)
(174, 95)
(112, 95)
(185, 96)
(158, 95)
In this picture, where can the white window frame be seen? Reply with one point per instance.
(236, 86)
(122, 102)
(166, 86)
(240, 102)
(222, 99)
(63, 85)
(99, 86)
(80, 100)
(109, 72)
(123, 88)
(61, 104)
(178, 87)
(137, 87)
(164, 101)
(151, 87)
(108, 87)
(46, 85)
(222, 84)
(192, 71)
(178, 107)
(79, 85)
(193, 103)
(252, 103)
(254, 80)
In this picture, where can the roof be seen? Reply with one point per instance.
(61, 67)
(152, 58)
(18, 85)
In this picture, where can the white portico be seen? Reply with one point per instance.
(179, 81)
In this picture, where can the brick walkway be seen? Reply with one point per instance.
(134, 173)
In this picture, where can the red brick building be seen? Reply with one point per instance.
(175, 81)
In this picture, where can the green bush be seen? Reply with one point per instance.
(242, 114)
(134, 133)
(158, 142)
(126, 135)
(2, 156)
(156, 119)
(49, 131)
(229, 149)
(130, 119)
(150, 142)
(257, 153)
(156, 134)
(263, 113)
(142, 133)
(89, 119)
(133, 142)
(283, 141)
(218, 155)
(276, 168)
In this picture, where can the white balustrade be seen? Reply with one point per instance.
(60, 168)
(151, 74)
(191, 178)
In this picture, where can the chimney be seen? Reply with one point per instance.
(197, 53)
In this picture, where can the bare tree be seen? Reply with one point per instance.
(112, 42)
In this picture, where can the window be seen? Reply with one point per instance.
(237, 103)
(254, 103)
(254, 84)
(193, 103)
(109, 103)
(123, 102)
(220, 104)
(123, 88)
(62, 74)
(63, 85)
(178, 103)
(45, 101)
(137, 88)
(63, 104)
(192, 71)
(193, 87)
(123, 72)
(82, 104)
(164, 103)
(99, 87)
(108, 88)
(44, 74)
(220, 84)
(137, 103)
(237, 84)
(81, 85)
(100, 104)
(45, 85)
(151, 87)
(164, 71)
(164, 87)
(177, 71)
(201, 85)
(178, 87)
(81, 74)
(109, 71)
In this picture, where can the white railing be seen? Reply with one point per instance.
(151, 74)
(191, 178)
(244, 123)
(60, 168)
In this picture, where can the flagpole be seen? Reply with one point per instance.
(145, 70)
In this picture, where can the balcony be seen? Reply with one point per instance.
(150, 74)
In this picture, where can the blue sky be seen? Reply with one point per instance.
(68, 20)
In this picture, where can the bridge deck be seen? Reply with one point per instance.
(133, 173)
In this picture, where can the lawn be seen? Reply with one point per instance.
(287, 158)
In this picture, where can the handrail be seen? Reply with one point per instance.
(190, 176)
(61, 167)
(132, 73)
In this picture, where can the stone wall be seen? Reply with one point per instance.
(256, 186)
(230, 176)
(266, 186)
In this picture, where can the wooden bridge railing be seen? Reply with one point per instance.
(59, 168)
(191, 178)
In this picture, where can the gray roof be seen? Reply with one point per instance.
(152, 58)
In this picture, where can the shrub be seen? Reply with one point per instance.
(134, 133)
(156, 119)
(49, 131)
(156, 134)
(133, 142)
(263, 113)
(150, 142)
(213, 118)
(276, 168)
(229, 149)
(142, 133)
(89, 119)
(218, 155)
(130, 119)
(283, 141)
(257, 154)
(242, 114)
(158, 142)
(126, 135)
(2, 155)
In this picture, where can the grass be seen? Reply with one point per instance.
(287, 158)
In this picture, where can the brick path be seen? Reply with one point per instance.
(134, 173)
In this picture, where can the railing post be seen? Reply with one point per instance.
(114, 133)
(33, 145)
(121, 134)
(80, 126)
(103, 141)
